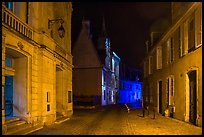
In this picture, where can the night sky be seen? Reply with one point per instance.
(127, 25)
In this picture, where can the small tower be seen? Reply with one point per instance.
(86, 25)
(102, 38)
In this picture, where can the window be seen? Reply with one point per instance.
(191, 35)
(170, 91)
(167, 98)
(150, 65)
(10, 5)
(151, 94)
(146, 98)
(181, 41)
(113, 65)
(48, 101)
(171, 100)
(145, 69)
(3, 98)
(104, 95)
(69, 97)
(159, 57)
(169, 50)
(8, 62)
(48, 107)
(198, 26)
(172, 50)
(48, 97)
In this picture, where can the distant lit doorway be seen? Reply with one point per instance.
(160, 96)
(9, 96)
(193, 96)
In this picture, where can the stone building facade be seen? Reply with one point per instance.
(173, 66)
(36, 62)
(96, 69)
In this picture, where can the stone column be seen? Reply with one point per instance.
(4, 128)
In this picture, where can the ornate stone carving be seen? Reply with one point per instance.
(20, 45)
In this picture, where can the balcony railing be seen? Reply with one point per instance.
(11, 20)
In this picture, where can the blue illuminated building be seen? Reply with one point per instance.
(130, 92)
(130, 87)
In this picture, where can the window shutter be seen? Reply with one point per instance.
(198, 25)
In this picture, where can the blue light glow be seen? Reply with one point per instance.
(116, 55)
(107, 43)
(130, 92)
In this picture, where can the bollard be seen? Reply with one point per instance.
(148, 110)
(127, 108)
(154, 114)
(143, 111)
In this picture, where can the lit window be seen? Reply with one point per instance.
(181, 41)
(113, 65)
(169, 50)
(170, 91)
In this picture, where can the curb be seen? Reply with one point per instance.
(60, 121)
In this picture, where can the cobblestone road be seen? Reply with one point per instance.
(114, 120)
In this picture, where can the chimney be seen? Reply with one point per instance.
(86, 26)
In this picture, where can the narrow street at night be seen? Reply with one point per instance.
(115, 120)
(101, 68)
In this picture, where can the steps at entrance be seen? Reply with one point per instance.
(28, 130)
(16, 126)
(12, 120)
(60, 118)
(15, 123)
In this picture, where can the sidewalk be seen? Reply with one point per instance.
(161, 125)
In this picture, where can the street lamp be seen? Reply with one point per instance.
(61, 29)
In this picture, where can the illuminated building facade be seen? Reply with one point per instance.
(130, 90)
(36, 62)
(96, 69)
(173, 66)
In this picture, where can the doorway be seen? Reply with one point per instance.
(160, 96)
(193, 96)
(8, 96)
(16, 79)
(59, 95)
